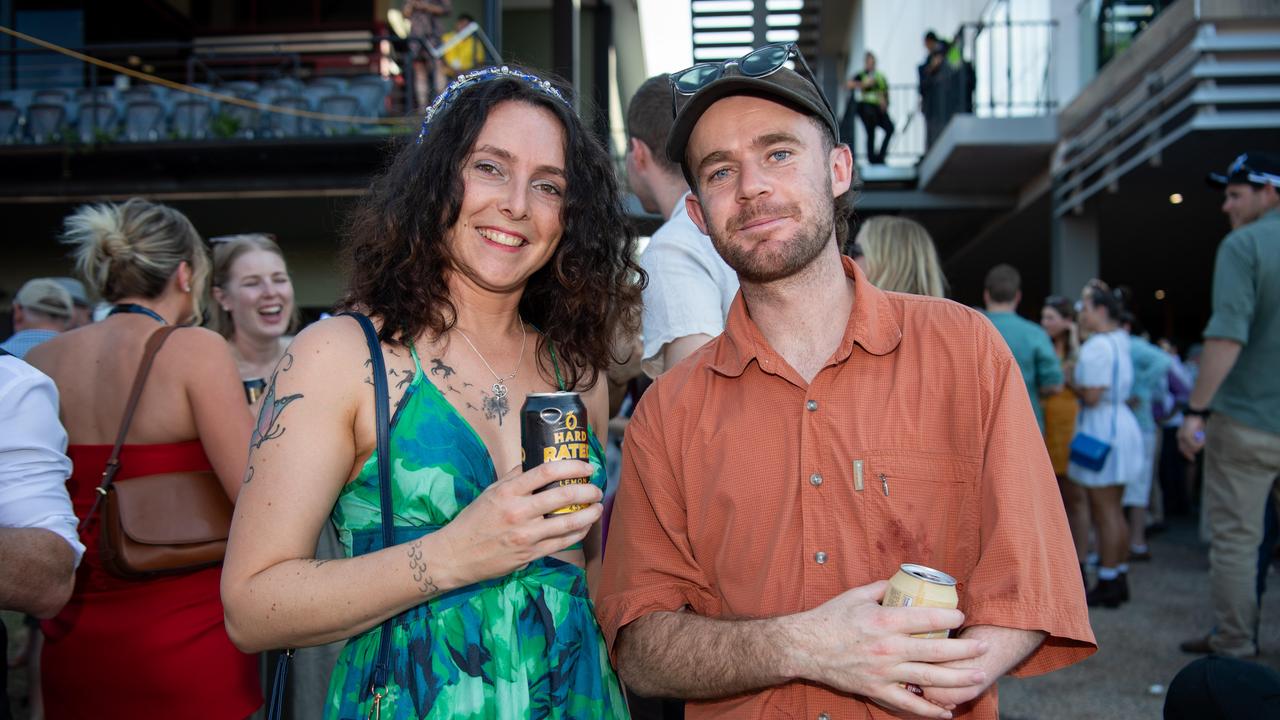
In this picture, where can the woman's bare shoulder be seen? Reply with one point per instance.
(329, 355)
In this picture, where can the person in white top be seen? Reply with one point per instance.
(39, 546)
(690, 287)
(1104, 381)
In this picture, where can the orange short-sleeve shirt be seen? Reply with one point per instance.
(747, 493)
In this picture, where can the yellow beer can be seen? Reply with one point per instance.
(920, 586)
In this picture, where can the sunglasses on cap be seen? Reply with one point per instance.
(757, 63)
(1244, 169)
(1242, 166)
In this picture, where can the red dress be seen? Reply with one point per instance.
(142, 648)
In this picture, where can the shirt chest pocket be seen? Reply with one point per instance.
(918, 508)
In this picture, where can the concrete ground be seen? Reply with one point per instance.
(1137, 643)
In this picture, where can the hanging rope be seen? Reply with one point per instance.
(220, 97)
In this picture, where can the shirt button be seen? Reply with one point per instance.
(811, 406)
(815, 479)
(820, 557)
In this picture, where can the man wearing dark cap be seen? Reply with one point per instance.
(41, 309)
(774, 480)
(1234, 409)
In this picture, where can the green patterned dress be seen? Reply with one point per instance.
(521, 646)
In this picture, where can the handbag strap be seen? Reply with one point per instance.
(149, 352)
(1115, 386)
(382, 415)
(382, 421)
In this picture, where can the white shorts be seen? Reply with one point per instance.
(1137, 493)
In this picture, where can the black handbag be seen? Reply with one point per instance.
(382, 419)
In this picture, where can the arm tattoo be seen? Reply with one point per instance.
(426, 585)
(318, 563)
(405, 379)
(248, 476)
(495, 407)
(269, 427)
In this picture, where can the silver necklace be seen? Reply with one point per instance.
(499, 381)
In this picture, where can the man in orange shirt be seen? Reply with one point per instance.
(774, 479)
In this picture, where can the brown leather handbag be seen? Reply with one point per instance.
(162, 524)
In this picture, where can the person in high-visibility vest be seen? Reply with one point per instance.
(467, 54)
(871, 90)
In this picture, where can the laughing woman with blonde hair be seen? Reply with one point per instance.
(900, 256)
(253, 306)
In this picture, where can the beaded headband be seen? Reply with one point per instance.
(475, 77)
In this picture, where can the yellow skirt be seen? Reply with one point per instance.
(1059, 427)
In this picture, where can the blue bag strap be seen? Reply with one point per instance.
(275, 708)
(382, 419)
(382, 415)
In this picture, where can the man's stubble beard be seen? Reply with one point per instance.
(792, 256)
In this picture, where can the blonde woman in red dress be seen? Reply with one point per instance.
(155, 647)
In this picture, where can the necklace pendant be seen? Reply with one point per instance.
(499, 390)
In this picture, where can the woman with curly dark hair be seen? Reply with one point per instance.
(493, 257)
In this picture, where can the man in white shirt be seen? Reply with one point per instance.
(39, 547)
(690, 287)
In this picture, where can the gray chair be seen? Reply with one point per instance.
(20, 99)
(190, 120)
(97, 122)
(45, 122)
(53, 96)
(284, 86)
(371, 93)
(332, 84)
(286, 126)
(139, 92)
(143, 121)
(9, 128)
(339, 105)
(57, 96)
(315, 93)
(239, 88)
(98, 95)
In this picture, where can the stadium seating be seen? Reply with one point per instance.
(144, 112)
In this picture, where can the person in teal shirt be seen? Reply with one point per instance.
(1029, 343)
(1150, 370)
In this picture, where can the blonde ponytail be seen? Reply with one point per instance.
(132, 249)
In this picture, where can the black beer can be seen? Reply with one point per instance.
(553, 426)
